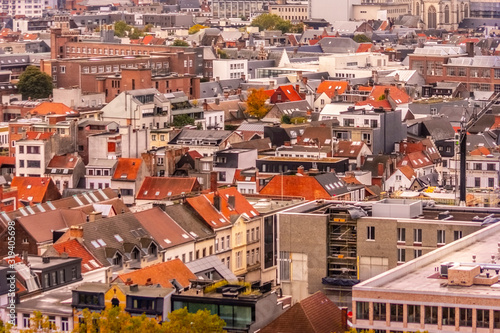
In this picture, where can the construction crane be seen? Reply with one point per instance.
(465, 126)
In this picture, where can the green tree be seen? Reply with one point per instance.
(182, 120)
(180, 42)
(200, 322)
(361, 39)
(121, 28)
(222, 54)
(195, 28)
(39, 323)
(5, 327)
(298, 28)
(298, 120)
(271, 22)
(34, 83)
(256, 103)
(285, 119)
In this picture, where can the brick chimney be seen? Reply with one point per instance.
(213, 181)
(380, 169)
(76, 231)
(95, 216)
(344, 310)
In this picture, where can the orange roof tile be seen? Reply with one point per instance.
(156, 188)
(30, 36)
(194, 154)
(376, 104)
(398, 95)
(416, 160)
(32, 189)
(290, 93)
(47, 108)
(481, 151)
(350, 149)
(299, 186)
(241, 207)
(127, 168)
(205, 208)
(330, 87)
(364, 47)
(365, 88)
(7, 160)
(161, 274)
(407, 171)
(269, 92)
(38, 135)
(147, 39)
(68, 161)
(74, 249)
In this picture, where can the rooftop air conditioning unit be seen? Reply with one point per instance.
(443, 270)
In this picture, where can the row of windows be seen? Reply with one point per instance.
(220, 241)
(29, 149)
(29, 164)
(110, 52)
(98, 172)
(430, 314)
(52, 319)
(417, 235)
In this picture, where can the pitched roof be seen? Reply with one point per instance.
(364, 47)
(47, 108)
(290, 93)
(330, 87)
(350, 149)
(31, 189)
(398, 95)
(416, 160)
(407, 171)
(74, 249)
(186, 217)
(157, 188)
(127, 168)
(41, 225)
(67, 161)
(7, 161)
(38, 135)
(315, 314)
(162, 274)
(163, 228)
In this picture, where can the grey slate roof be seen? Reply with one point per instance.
(188, 220)
(338, 45)
(372, 161)
(290, 107)
(439, 129)
(331, 183)
(259, 144)
(210, 263)
(187, 134)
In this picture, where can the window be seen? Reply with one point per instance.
(21, 149)
(413, 313)
(397, 312)
(33, 149)
(466, 317)
(33, 164)
(478, 166)
(417, 235)
(457, 234)
(64, 324)
(379, 312)
(441, 237)
(370, 233)
(216, 245)
(401, 235)
(491, 182)
(431, 315)
(401, 255)
(366, 137)
(496, 319)
(227, 242)
(62, 69)
(417, 253)
(482, 318)
(448, 316)
(21, 163)
(26, 320)
(490, 167)
(477, 182)
(238, 259)
(362, 310)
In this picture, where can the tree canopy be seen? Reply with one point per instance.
(34, 83)
(195, 28)
(180, 42)
(122, 29)
(274, 22)
(256, 103)
(361, 39)
(182, 120)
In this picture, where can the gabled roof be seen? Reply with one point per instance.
(332, 87)
(187, 218)
(364, 47)
(407, 171)
(67, 161)
(350, 149)
(317, 135)
(290, 93)
(241, 204)
(163, 228)
(41, 225)
(127, 169)
(162, 274)
(210, 215)
(372, 162)
(38, 135)
(315, 314)
(399, 96)
(73, 248)
(47, 108)
(32, 189)
(158, 188)
(416, 160)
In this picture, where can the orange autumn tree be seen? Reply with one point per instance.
(256, 103)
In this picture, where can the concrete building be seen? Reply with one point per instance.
(323, 9)
(450, 289)
(369, 9)
(237, 8)
(230, 68)
(294, 12)
(227, 161)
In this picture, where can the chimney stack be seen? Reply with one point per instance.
(217, 201)
(75, 231)
(380, 169)
(94, 216)
(213, 181)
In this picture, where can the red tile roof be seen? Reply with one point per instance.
(161, 274)
(194, 154)
(315, 314)
(203, 204)
(330, 87)
(74, 249)
(156, 188)
(407, 171)
(375, 104)
(32, 189)
(7, 161)
(416, 160)
(47, 108)
(163, 228)
(364, 47)
(68, 161)
(38, 135)
(127, 169)
(290, 93)
(398, 95)
(350, 149)
(481, 151)
(299, 186)
(147, 39)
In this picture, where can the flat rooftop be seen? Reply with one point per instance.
(419, 276)
(305, 159)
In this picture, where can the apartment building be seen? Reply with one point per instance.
(451, 289)
(237, 8)
(294, 13)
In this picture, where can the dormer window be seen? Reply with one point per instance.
(153, 250)
(118, 259)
